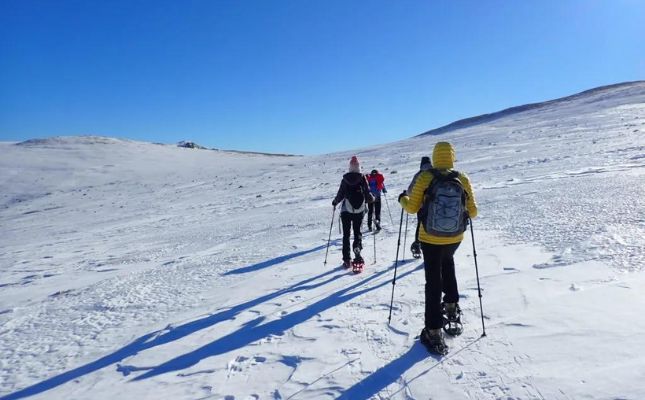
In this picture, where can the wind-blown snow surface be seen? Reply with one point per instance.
(134, 270)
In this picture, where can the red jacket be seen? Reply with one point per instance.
(377, 179)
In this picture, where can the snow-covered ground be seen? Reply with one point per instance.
(143, 271)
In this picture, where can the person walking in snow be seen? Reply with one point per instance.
(440, 234)
(415, 247)
(354, 194)
(376, 183)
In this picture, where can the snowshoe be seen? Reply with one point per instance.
(452, 319)
(433, 341)
(415, 249)
(358, 263)
(347, 264)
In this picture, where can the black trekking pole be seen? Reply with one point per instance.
(329, 239)
(388, 209)
(481, 308)
(405, 237)
(374, 236)
(396, 263)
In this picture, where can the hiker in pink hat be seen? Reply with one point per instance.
(354, 194)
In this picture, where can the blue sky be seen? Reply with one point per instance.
(298, 76)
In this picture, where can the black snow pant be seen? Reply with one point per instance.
(439, 266)
(351, 221)
(374, 208)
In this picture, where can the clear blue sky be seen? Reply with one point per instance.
(298, 76)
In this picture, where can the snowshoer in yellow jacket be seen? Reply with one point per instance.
(438, 250)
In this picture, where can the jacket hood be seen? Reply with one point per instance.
(443, 156)
(352, 178)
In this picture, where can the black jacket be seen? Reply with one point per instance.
(351, 179)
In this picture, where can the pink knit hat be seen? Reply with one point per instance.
(354, 166)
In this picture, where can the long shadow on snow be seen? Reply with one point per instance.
(277, 260)
(386, 375)
(255, 330)
(393, 371)
(164, 336)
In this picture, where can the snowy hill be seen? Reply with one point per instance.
(605, 96)
(135, 270)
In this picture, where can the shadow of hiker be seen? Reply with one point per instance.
(167, 335)
(277, 260)
(256, 330)
(388, 374)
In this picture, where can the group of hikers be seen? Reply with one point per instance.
(443, 200)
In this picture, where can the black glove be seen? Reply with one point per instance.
(384, 190)
(333, 203)
(403, 193)
(425, 160)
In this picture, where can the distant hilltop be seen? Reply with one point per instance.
(62, 142)
(193, 145)
(190, 145)
(603, 96)
(615, 91)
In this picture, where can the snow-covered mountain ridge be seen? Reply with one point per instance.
(608, 96)
(138, 270)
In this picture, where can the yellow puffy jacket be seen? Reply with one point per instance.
(443, 158)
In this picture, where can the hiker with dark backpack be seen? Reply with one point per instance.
(375, 180)
(445, 200)
(354, 194)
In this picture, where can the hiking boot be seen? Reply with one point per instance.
(452, 319)
(377, 223)
(415, 248)
(358, 264)
(357, 251)
(347, 264)
(433, 340)
(451, 311)
(432, 336)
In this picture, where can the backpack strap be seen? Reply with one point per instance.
(438, 176)
(450, 175)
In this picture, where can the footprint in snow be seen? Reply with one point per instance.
(128, 369)
(518, 325)
(574, 287)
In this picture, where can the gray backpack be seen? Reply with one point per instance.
(444, 208)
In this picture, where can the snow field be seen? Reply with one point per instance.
(141, 271)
